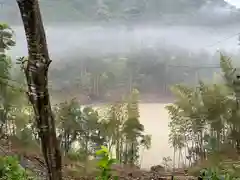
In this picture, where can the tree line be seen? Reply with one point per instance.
(151, 71)
(205, 119)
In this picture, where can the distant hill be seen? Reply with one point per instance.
(128, 11)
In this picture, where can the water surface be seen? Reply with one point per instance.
(155, 119)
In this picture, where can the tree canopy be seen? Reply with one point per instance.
(114, 10)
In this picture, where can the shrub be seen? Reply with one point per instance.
(216, 174)
(11, 170)
(104, 164)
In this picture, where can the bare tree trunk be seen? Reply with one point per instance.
(36, 73)
(179, 158)
(174, 158)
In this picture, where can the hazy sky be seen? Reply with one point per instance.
(235, 2)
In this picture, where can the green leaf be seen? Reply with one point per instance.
(102, 151)
(103, 163)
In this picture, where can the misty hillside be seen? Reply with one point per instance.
(129, 11)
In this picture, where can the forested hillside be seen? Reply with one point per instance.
(133, 11)
(152, 71)
(72, 140)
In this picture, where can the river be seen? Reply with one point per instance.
(155, 119)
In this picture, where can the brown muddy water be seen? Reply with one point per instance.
(155, 119)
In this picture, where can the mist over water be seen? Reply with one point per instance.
(75, 39)
(70, 41)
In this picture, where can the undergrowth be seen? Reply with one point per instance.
(104, 164)
(217, 174)
(11, 170)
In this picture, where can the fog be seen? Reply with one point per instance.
(75, 39)
(70, 40)
(210, 28)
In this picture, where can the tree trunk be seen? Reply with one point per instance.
(118, 146)
(36, 73)
(174, 158)
(121, 151)
(132, 153)
(86, 152)
(179, 158)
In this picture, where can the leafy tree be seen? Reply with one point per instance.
(68, 116)
(6, 38)
(10, 97)
(78, 124)
(133, 129)
(114, 121)
(206, 111)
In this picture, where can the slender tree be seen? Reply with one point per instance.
(36, 72)
(205, 112)
(6, 42)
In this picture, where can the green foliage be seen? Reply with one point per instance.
(216, 174)
(204, 119)
(117, 127)
(77, 156)
(146, 141)
(105, 164)
(211, 145)
(78, 124)
(6, 37)
(11, 170)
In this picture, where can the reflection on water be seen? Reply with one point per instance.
(155, 119)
